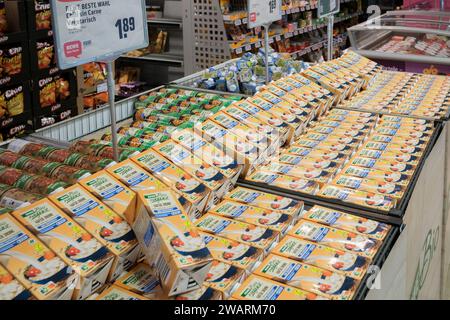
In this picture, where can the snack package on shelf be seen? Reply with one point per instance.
(108, 227)
(174, 247)
(33, 264)
(259, 288)
(71, 242)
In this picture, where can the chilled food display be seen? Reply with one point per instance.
(428, 45)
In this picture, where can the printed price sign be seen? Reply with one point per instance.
(328, 7)
(89, 30)
(263, 12)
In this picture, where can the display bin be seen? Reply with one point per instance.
(409, 40)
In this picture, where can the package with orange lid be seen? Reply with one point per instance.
(331, 285)
(90, 259)
(109, 228)
(137, 179)
(209, 154)
(256, 236)
(243, 151)
(266, 200)
(171, 242)
(233, 252)
(10, 288)
(111, 192)
(246, 118)
(336, 238)
(359, 197)
(341, 261)
(118, 293)
(273, 220)
(224, 278)
(285, 182)
(259, 288)
(346, 221)
(33, 264)
(195, 192)
(141, 280)
(208, 174)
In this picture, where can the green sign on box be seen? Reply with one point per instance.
(328, 7)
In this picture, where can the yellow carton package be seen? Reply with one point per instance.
(331, 285)
(141, 280)
(259, 237)
(33, 264)
(336, 238)
(385, 165)
(259, 288)
(224, 278)
(273, 220)
(209, 175)
(378, 175)
(90, 259)
(195, 192)
(389, 156)
(204, 293)
(117, 293)
(11, 289)
(266, 200)
(171, 242)
(233, 252)
(341, 261)
(348, 222)
(307, 173)
(112, 193)
(105, 225)
(138, 179)
(285, 182)
(210, 154)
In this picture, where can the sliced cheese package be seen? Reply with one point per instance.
(331, 285)
(341, 261)
(259, 288)
(256, 236)
(336, 238)
(171, 242)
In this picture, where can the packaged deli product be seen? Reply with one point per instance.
(363, 198)
(10, 288)
(345, 221)
(71, 242)
(28, 182)
(209, 153)
(100, 150)
(224, 277)
(195, 192)
(286, 182)
(209, 175)
(33, 264)
(266, 200)
(380, 187)
(109, 228)
(118, 293)
(341, 261)
(259, 288)
(112, 193)
(378, 175)
(64, 156)
(138, 179)
(171, 242)
(257, 236)
(273, 220)
(336, 238)
(54, 170)
(233, 252)
(331, 285)
(394, 166)
(141, 280)
(389, 156)
(13, 198)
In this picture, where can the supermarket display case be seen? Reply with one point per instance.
(413, 41)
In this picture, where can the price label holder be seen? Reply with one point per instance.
(98, 31)
(262, 13)
(328, 8)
